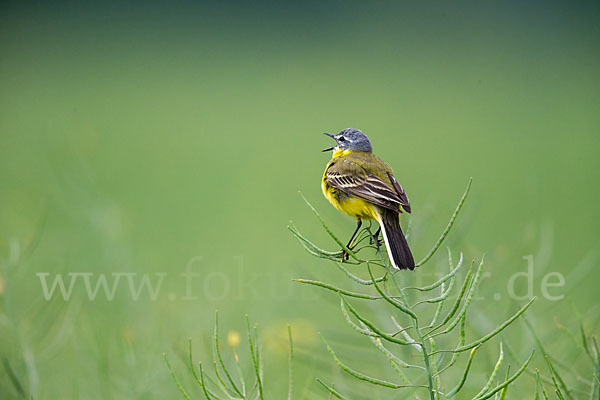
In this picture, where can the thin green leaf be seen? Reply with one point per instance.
(181, 389)
(539, 386)
(336, 289)
(490, 381)
(495, 331)
(392, 359)
(312, 248)
(357, 279)
(198, 380)
(503, 393)
(331, 390)
(509, 380)
(443, 296)
(443, 279)
(378, 331)
(305, 240)
(556, 378)
(220, 382)
(459, 299)
(461, 342)
(463, 379)
(448, 227)
(436, 315)
(255, 362)
(335, 238)
(556, 385)
(351, 323)
(220, 358)
(586, 346)
(404, 332)
(361, 376)
(432, 370)
(238, 369)
(467, 303)
(390, 300)
(203, 384)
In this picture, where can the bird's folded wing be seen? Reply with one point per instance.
(401, 193)
(352, 179)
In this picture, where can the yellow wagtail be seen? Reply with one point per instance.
(363, 186)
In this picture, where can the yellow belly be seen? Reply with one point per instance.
(351, 205)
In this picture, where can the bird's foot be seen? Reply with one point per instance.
(376, 241)
(345, 255)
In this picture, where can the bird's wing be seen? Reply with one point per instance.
(353, 179)
(401, 193)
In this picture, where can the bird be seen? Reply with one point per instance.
(360, 184)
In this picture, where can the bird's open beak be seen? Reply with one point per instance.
(331, 135)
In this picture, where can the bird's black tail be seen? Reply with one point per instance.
(395, 242)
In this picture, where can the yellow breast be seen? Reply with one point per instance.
(351, 205)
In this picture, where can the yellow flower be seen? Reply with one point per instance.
(233, 338)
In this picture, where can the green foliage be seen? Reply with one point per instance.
(562, 377)
(431, 327)
(422, 331)
(216, 387)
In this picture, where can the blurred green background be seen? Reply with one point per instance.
(135, 137)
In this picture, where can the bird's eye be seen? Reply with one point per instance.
(342, 139)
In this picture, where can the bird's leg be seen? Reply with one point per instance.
(375, 239)
(344, 252)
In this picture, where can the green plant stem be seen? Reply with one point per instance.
(333, 236)
(255, 360)
(331, 390)
(220, 358)
(428, 367)
(181, 389)
(204, 390)
(420, 338)
(194, 374)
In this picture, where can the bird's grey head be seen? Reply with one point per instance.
(351, 139)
